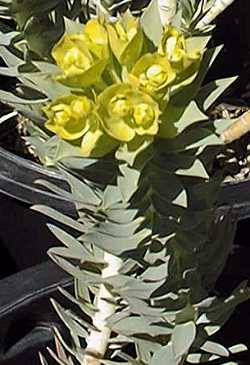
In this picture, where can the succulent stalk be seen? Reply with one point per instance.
(167, 10)
(218, 7)
(98, 339)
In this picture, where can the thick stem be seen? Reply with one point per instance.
(218, 7)
(98, 340)
(167, 10)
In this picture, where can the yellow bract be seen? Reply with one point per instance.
(82, 57)
(126, 112)
(127, 94)
(126, 39)
(185, 64)
(68, 116)
(96, 38)
(152, 73)
(173, 44)
(73, 118)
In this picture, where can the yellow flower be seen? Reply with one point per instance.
(126, 39)
(185, 64)
(173, 45)
(96, 38)
(127, 113)
(68, 116)
(73, 118)
(82, 57)
(153, 73)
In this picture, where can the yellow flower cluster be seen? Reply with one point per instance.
(118, 84)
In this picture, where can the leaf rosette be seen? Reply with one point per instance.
(153, 74)
(73, 118)
(82, 57)
(126, 39)
(127, 113)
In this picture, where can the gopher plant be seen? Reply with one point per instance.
(121, 111)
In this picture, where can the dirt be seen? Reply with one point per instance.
(12, 132)
(235, 158)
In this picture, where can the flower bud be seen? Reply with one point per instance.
(143, 115)
(185, 64)
(126, 39)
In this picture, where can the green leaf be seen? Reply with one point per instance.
(164, 356)
(54, 150)
(86, 278)
(111, 196)
(121, 216)
(197, 358)
(76, 249)
(75, 328)
(128, 181)
(197, 169)
(235, 349)
(117, 245)
(211, 330)
(129, 152)
(209, 93)
(183, 338)
(55, 189)
(133, 326)
(191, 115)
(133, 288)
(59, 217)
(46, 84)
(6, 38)
(215, 348)
(197, 42)
(181, 200)
(151, 22)
(199, 136)
(109, 362)
(125, 230)
(156, 273)
(72, 26)
(9, 57)
(10, 98)
(82, 190)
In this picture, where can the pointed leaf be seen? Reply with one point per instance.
(59, 217)
(209, 93)
(237, 348)
(215, 348)
(164, 356)
(183, 338)
(197, 358)
(151, 22)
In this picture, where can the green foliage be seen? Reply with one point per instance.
(158, 216)
(162, 304)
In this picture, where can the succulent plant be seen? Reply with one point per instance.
(135, 136)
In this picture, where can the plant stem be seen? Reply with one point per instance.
(218, 7)
(98, 340)
(167, 10)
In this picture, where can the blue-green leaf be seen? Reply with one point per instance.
(183, 338)
(151, 22)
